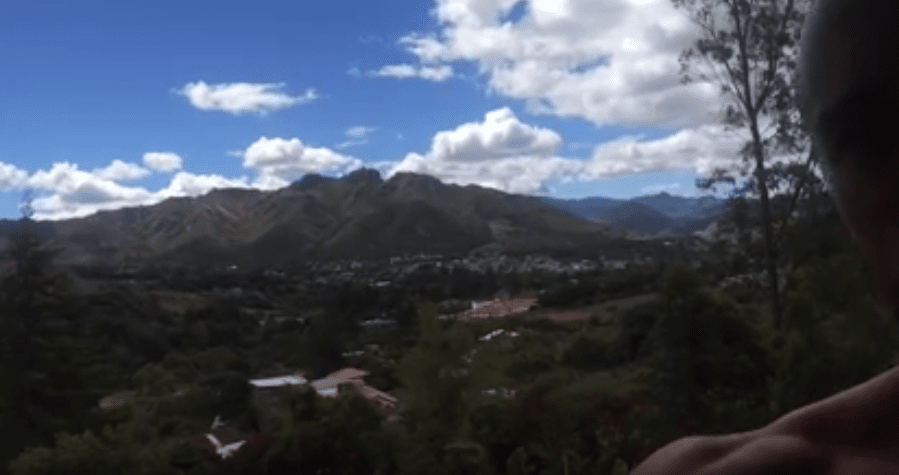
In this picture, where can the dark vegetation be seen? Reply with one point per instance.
(560, 398)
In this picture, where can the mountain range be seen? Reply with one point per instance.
(359, 216)
(651, 214)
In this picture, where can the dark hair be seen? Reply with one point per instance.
(867, 122)
(849, 80)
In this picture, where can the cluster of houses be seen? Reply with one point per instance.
(346, 380)
(222, 443)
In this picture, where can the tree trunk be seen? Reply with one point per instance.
(770, 252)
(794, 199)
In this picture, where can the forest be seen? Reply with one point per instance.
(594, 396)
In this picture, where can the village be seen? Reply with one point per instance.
(223, 441)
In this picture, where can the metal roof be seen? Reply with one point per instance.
(290, 380)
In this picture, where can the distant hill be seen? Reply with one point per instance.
(652, 213)
(683, 208)
(589, 208)
(357, 216)
(362, 215)
(632, 215)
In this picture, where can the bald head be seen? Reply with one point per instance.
(849, 98)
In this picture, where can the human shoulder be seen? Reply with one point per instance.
(689, 454)
(855, 427)
(758, 452)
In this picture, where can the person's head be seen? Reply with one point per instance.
(849, 73)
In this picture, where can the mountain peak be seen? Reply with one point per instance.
(410, 177)
(310, 180)
(364, 175)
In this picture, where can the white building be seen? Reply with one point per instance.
(279, 381)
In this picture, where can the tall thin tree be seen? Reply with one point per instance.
(750, 49)
(23, 292)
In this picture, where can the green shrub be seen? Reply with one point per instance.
(114, 452)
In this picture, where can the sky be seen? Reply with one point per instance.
(111, 104)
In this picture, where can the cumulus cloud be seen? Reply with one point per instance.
(120, 171)
(242, 97)
(70, 192)
(500, 135)
(162, 161)
(525, 175)
(407, 71)
(66, 191)
(190, 184)
(701, 149)
(500, 152)
(610, 61)
(282, 159)
(11, 177)
(76, 192)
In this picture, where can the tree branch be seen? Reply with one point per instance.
(812, 156)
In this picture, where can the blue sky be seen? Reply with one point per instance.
(105, 104)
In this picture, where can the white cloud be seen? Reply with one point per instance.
(701, 149)
(655, 189)
(69, 192)
(11, 177)
(500, 135)
(358, 135)
(610, 61)
(76, 192)
(237, 98)
(190, 184)
(501, 152)
(120, 171)
(406, 71)
(287, 158)
(359, 131)
(268, 181)
(162, 161)
(525, 175)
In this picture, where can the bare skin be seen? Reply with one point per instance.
(850, 433)
(856, 431)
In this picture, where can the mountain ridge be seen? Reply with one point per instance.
(359, 215)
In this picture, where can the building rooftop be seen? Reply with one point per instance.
(500, 308)
(348, 373)
(373, 394)
(290, 380)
